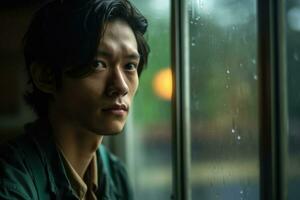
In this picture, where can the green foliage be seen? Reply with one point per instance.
(148, 108)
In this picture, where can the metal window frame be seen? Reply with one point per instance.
(273, 102)
(180, 100)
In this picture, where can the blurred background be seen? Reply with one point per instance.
(293, 90)
(223, 97)
(14, 19)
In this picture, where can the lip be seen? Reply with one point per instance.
(116, 109)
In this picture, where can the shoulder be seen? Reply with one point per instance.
(115, 169)
(15, 178)
(111, 162)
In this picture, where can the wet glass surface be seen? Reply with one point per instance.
(224, 99)
(293, 71)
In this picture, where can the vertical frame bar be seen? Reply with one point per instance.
(180, 100)
(280, 95)
(265, 74)
(273, 108)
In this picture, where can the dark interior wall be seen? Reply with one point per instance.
(19, 3)
(14, 18)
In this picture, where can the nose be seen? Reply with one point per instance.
(116, 86)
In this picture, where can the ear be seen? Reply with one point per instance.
(43, 78)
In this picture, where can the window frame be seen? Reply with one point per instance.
(273, 103)
(272, 100)
(180, 100)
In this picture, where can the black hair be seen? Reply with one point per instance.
(66, 34)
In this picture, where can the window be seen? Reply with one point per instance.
(223, 99)
(149, 127)
(293, 91)
(236, 115)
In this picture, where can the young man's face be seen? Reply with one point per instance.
(100, 102)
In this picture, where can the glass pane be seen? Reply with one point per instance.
(224, 99)
(293, 67)
(149, 129)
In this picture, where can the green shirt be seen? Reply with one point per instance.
(31, 168)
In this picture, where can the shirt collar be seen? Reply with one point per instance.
(79, 185)
(40, 131)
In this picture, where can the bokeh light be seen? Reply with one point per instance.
(162, 84)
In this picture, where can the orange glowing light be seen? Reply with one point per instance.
(162, 84)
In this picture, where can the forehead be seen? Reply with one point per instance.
(118, 35)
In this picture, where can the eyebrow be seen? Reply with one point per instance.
(107, 54)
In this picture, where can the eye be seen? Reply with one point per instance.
(130, 66)
(98, 65)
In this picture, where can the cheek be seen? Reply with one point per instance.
(94, 84)
(134, 86)
(84, 92)
(73, 99)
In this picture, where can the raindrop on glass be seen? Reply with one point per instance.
(255, 77)
(296, 56)
(227, 72)
(233, 130)
(238, 137)
(201, 4)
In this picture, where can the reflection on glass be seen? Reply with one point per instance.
(224, 99)
(150, 165)
(293, 68)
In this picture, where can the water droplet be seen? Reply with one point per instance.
(255, 77)
(200, 4)
(296, 56)
(238, 137)
(233, 130)
(253, 61)
(242, 192)
(241, 64)
(227, 71)
(227, 86)
(193, 44)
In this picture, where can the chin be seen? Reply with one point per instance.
(112, 133)
(113, 129)
(109, 133)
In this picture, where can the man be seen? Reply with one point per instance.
(84, 59)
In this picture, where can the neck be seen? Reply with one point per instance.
(77, 143)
